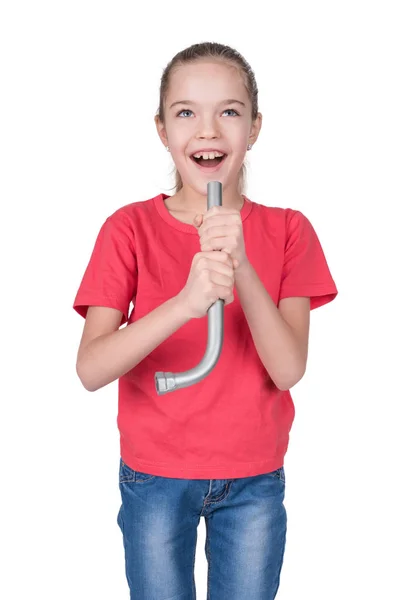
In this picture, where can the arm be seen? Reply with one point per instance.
(281, 347)
(106, 352)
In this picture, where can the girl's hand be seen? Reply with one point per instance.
(211, 277)
(220, 228)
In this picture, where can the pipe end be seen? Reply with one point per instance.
(165, 382)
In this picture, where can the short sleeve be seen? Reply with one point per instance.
(110, 278)
(305, 270)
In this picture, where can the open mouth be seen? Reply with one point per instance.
(209, 163)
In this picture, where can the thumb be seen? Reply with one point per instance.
(198, 220)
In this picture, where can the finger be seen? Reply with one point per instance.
(215, 210)
(220, 255)
(215, 244)
(198, 220)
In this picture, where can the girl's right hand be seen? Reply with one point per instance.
(211, 277)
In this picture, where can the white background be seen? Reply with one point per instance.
(80, 83)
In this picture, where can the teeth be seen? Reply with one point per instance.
(208, 155)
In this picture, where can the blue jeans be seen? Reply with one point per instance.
(245, 534)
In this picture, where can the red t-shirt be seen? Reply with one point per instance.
(235, 422)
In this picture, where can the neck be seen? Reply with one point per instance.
(191, 200)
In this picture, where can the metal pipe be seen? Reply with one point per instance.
(168, 382)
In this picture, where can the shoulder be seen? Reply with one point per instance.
(282, 219)
(274, 212)
(130, 216)
(120, 227)
(132, 209)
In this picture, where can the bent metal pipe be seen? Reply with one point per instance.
(168, 382)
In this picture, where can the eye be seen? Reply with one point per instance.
(188, 110)
(185, 110)
(233, 110)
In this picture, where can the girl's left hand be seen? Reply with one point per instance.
(220, 228)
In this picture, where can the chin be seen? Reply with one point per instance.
(201, 188)
(200, 184)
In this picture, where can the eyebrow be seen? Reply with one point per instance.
(229, 101)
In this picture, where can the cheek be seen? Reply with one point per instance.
(178, 136)
(243, 142)
(179, 144)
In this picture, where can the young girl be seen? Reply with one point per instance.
(215, 449)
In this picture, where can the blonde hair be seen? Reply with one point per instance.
(216, 52)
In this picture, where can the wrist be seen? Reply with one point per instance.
(243, 268)
(183, 306)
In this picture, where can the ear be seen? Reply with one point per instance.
(161, 130)
(255, 129)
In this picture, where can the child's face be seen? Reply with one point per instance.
(208, 122)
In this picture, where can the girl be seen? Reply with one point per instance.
(215, 449)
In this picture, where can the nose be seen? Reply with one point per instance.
(207, 129)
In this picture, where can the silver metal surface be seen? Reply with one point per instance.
(168, 382)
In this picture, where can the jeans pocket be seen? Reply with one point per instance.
(128, 475)
(279, 474)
